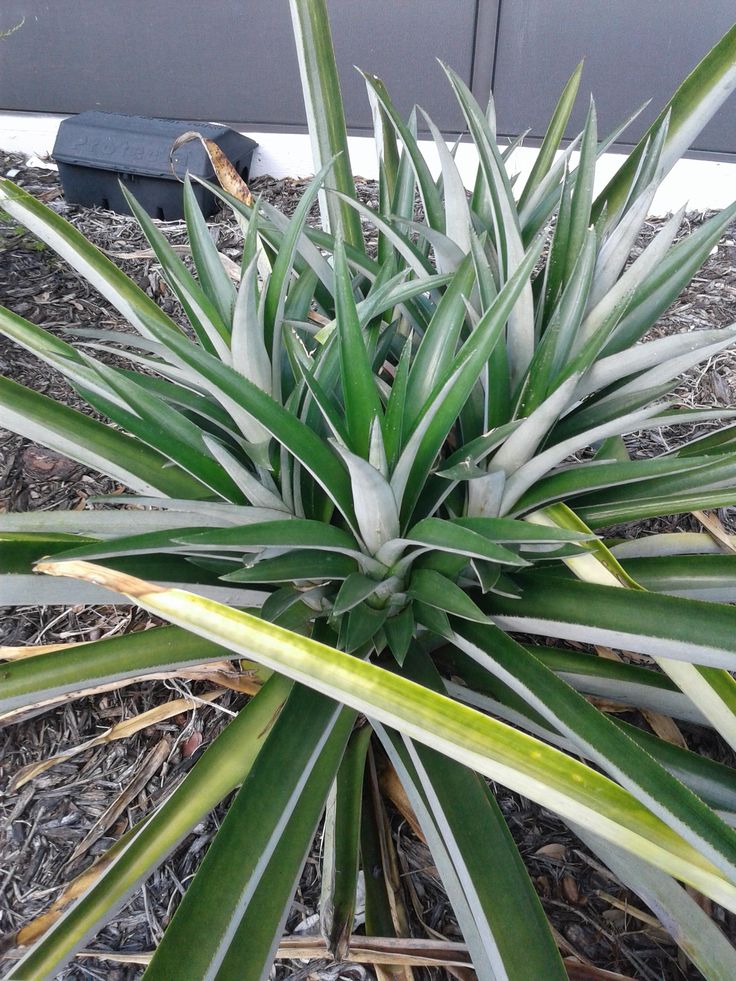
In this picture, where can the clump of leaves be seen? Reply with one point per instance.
(360, 474)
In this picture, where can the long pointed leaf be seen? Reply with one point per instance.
(571, 789)
(93, 444)
(223, 766)
(693, 104)
(325, 113)
(601, 741)
(209, 916)
(553, 136)
(360, 396)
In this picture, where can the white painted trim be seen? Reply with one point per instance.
(28, 132)
(701, 184)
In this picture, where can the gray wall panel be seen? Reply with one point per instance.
(633, 49)
(225, 59)
(234, 60)
(484, 55)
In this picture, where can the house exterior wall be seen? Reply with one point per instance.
(234, 60)
(634, 50)
(230, 60)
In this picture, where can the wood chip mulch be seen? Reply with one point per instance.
(43, 825)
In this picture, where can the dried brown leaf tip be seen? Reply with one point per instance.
(119, 582)
(230, 180)
(227, 175)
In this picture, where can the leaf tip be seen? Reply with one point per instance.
(119, 582)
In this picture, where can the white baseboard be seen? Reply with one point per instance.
(701, 184)
(28, 132)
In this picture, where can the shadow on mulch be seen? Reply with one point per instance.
(46, 839)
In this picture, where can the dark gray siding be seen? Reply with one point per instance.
(229, 60)
(633, 50)
(234, 60)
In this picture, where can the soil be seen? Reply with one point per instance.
(45, 827)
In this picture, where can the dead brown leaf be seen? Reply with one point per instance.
(665, 727)
(121, 730)
(18, 653)
(150, 765)
(555, 850)
(392, 788)
(230, 180)
(662, 725)
(569, 888)
(363, 950)
(715, 529)
(190, 746)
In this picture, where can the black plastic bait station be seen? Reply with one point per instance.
(95, 150)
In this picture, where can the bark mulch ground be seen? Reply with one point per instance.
(55, 825)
